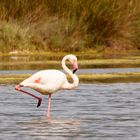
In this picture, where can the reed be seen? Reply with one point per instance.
(69, 25)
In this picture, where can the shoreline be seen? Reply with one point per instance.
(45, 61)
(96, 52)
(83, 78)
(89, 59)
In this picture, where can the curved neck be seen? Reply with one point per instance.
(68, 71)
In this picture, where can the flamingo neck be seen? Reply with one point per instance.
(73, 76)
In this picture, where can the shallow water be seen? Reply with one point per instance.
(91, 112)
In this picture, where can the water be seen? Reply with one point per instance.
(91, 112)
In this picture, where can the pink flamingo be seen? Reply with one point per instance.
(47, 82)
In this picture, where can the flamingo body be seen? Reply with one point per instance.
(46, 81)
(49, 81)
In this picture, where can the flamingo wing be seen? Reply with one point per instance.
(46, 81)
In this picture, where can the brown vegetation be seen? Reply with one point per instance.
(69, 25)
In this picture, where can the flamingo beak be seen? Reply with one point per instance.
(75, 67)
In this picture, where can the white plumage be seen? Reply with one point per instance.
(49, 81)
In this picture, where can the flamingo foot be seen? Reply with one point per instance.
(39, 102)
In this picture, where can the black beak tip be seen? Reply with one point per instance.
(74, 70)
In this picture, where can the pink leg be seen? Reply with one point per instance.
(39, 99)
(49, 106)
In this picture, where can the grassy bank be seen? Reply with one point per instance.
(68, 25)
(84, 78)
(36, 63)
(110, 78)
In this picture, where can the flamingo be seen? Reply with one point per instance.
(47, 82)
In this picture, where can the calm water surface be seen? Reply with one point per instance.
(91, 112)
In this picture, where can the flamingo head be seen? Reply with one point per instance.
(73, 61)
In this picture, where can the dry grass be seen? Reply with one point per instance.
(110, 78)
(68, 25)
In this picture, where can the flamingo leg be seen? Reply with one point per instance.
(49, 106)
(38, 98)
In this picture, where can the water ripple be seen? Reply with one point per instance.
(92, 112)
